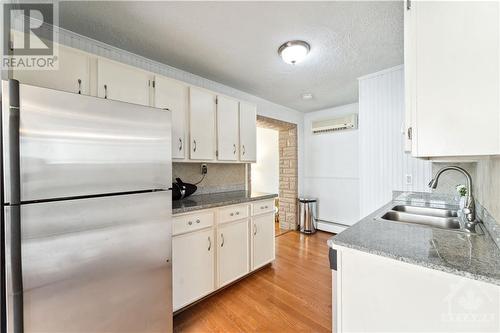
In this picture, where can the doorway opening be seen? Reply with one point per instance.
(276, 169)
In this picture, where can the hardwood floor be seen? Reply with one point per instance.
(291, 295)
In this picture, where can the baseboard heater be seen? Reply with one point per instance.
(334, 223)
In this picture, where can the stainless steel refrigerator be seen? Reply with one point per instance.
(86, 213)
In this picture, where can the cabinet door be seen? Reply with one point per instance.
(192, 266)
(201, 124)
(233, 251)
(248, 132)
(122, 83)
(262, 240)
(373, 294)
(227, 129)
(72, 74)
(457, 78)
(173, 95)
(409, 74)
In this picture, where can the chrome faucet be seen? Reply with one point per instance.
(469, 209)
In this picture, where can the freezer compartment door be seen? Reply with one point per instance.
(97, 265)
(73, 145)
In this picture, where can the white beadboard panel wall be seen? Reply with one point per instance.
(331, 168)
(264, 107)
(383, 164)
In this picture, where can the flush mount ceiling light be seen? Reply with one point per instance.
(294, 51)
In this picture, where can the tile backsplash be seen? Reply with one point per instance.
(221, 177)
(485, 178)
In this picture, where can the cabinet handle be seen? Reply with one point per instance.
(409, 132)
(80, 86)
(198, 221)
(105, 91)
(180, 144)
(237, 213)
(190, 222)
(244, 150)
(254, 229)
(209, 243)
(232, 214)
(222, 236)
(194, 145)
(234, 149)
(408, 4)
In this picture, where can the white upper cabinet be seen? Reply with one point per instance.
(452, 77)
(248, 132)
(227, 129)
(72, 74)
(201, 124)
(123, 83)
(174, 95)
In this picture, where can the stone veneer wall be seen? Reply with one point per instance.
(288, 169)
(288, 177)
(221, 177)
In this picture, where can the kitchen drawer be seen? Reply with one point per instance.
(262, 207)
(192, 222)
(232, 213)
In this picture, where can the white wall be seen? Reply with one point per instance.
(331, 168)
(265, 173)
(383, 164)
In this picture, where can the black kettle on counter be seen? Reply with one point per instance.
(181, 190)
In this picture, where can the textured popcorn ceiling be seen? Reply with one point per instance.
(235, 43)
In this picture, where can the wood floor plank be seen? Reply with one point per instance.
(291, 295)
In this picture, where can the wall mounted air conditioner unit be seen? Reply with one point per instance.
(336, 124)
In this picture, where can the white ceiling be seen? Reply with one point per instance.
(235, 43)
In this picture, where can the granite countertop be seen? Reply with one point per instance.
(205, 201)
(472, 256)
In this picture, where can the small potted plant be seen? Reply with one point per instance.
(462, 192)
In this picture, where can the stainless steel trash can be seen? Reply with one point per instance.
(307, 215)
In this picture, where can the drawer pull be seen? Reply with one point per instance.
(190, 222)
(198, 221)
(232, 214)
(237, 213)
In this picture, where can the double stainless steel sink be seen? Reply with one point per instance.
(441, 218)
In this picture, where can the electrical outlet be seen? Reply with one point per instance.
(204, 169)
(409, 179)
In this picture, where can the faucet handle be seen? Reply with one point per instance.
(466, 210)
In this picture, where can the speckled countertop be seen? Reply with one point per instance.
(205, 201)
(472, 256)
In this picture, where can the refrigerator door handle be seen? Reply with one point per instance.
(14, 236)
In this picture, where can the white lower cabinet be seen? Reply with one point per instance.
(214, 247)
(232, 251)
(262, 240)
(372, 293)
(193, 266)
